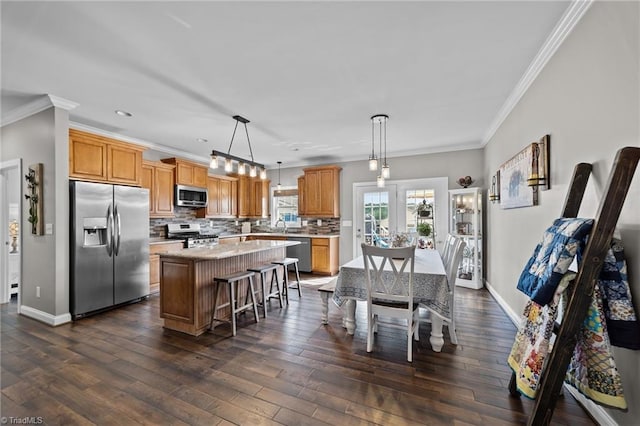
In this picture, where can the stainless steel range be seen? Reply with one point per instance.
(191, 234)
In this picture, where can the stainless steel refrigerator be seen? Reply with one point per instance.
(109, 246)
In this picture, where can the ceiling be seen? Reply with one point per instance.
(308, 75)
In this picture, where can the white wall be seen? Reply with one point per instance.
(587, 99)
(43, 138)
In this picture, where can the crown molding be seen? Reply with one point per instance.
(59, 102)
(563, 28)
(36, 106)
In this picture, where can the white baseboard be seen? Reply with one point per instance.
(53, 320)
(596, 411)
(514, 317)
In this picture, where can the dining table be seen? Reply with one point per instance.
(430, 287)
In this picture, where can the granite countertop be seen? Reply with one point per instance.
(223, 251)
(281, 234)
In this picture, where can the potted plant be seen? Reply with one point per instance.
(424, 229)
(424, 209)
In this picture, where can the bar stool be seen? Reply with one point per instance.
(232, 281)
(262, 270)
(285, 279)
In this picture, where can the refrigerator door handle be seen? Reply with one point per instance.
(109, 231)
(116, 249)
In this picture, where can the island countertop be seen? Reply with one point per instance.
(225, 251)
(279, 234)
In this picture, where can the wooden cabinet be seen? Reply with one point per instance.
(158, 178)
(154, 261)
(266, 237)
(188, 173)
(301, 197)
(100, 159)
(222, 194)
(320, 191)
(253, 197)
(324, 256)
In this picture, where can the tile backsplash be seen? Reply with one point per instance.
(157, 227)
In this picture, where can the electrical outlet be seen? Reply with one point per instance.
(319, 222)
(38, 291)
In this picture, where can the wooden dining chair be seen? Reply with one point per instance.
(390, 292)
(451, 269)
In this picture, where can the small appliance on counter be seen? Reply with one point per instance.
(191, 234)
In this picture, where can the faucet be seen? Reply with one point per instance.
(284, 225)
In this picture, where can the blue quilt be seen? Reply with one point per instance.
(552, 257)
(619, 312)
(550, 261)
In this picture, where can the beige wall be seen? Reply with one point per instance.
(587, 99)
(43, 138)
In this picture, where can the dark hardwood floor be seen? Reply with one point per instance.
(122, 367)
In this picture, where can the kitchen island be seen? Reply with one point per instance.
(186, 279)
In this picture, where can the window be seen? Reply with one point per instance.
(285, 207)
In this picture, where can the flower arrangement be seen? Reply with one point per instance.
(401, 239)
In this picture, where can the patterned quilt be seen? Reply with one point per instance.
(611, 318)
(552, 257)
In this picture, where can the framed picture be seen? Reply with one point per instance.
(514, 191)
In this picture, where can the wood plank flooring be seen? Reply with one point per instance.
(122, 367)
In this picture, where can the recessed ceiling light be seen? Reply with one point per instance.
(123, 113)
(202, 140)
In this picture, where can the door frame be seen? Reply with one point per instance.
(5, 291)
(441, 187)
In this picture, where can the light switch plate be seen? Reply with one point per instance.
(347, 223)
(48, 228)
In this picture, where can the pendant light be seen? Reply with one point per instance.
(242, 163)
(373, 161)
(384, 172)
(279, 187)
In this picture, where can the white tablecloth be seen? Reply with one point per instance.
(429, 281)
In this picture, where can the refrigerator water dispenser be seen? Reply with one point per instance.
(95, 231)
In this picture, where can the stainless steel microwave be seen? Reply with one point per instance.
(190, 196)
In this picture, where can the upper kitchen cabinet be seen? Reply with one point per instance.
(158, 178)
(188, 173)
(253, 197)
(320, 191)
(100, 159)
(222, 194)
(301, 197)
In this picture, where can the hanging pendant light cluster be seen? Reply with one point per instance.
(242, 163)
(384, 172)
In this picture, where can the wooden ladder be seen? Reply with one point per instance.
(580, 294)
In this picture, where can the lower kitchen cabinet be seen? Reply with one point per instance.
(154, 261)
(325, 255)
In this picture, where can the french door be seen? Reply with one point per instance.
(401, 206)
(375, 215)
